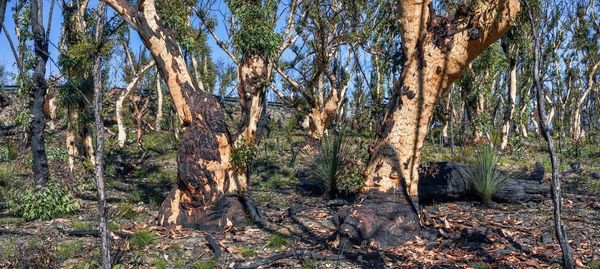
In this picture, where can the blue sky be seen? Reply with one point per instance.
(8, 61)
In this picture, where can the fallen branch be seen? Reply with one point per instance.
(11, 232)
(306, 254)
(214, 246)
(93, 233)
(8, 130)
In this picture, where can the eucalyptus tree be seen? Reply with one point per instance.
(586, 33)
(545, 19)
(254, 45)
(437, 50)
(76, 94)
(323, 55)
(210, 189)
(39, 87)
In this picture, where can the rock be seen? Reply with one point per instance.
(595, 175)
(546, 238)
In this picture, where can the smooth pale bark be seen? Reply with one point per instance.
(209, 191)
(122, 133)
(159, 112)
(71, 137)
(512, 97)
(390, 200)
(254, 72)
(577, 132)
(40, 86)
(99, 123)
(447, 119)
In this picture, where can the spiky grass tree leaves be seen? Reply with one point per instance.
(484, 174)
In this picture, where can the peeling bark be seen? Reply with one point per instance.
(389, 204)
(209, 189)
(254, 73)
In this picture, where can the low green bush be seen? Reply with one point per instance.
(41, 202)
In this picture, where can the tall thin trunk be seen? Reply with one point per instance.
(98, 98)
(71, 137)
(387, 214)
(2, 12)
(510, 108)
(577, 132)
(39, 84)
(555, 188)
(159, 112)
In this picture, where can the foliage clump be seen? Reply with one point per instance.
(242, 154)
(142, 238)
(41, 202)
(484, 175)
(254, 28)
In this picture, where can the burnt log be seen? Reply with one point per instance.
(443, 182)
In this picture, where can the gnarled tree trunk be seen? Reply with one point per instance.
(209, 190)
(387, 214)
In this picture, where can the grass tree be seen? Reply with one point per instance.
(437, 50)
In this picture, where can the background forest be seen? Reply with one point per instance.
(299, 134)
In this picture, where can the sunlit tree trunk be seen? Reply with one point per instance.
(512, 97)
(254, 74)
(387, 214)
(209, 191)
(159, 111)
(577, 132)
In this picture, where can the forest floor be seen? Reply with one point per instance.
(459, 234)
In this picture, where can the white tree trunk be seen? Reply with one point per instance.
(159, 112)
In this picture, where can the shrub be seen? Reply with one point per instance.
(56, 154)
(242, 154)
(484, 175)
(41, 202)
(336, 167)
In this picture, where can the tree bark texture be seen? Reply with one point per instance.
(40, 86)
(387, 213)
(3, 4)
(209, 188)
(254, 73)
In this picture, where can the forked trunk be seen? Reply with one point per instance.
(209, 190)
(387, 214)
(122, 133)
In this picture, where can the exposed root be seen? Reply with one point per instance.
(381, 219)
